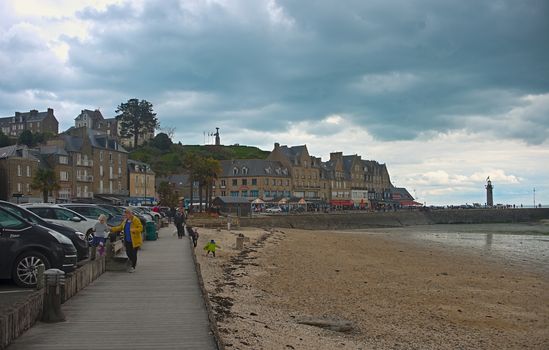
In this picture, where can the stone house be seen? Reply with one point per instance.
(253, 178)
(141, 183)
(98, 162)
(33, 120)
(305, 172)
(17, 169)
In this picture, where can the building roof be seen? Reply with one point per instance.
(21, 151)
(53, 149)
(293, 153)
(31, 116)
(253, 167)
(95, 114)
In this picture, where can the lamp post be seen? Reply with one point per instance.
(534, 197)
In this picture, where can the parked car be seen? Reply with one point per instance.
(273, 210)
(92, 211)
(77, 238)
(63, 216)
(24, 247)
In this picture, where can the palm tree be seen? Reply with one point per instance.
(45, 181)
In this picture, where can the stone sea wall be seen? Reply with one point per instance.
(23, 315)
(357, 220)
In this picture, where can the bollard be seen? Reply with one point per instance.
(40, 276)
(240, 242)
(54, 279)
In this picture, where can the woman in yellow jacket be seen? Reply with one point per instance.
(132, 228)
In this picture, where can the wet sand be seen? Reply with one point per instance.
(394, 291)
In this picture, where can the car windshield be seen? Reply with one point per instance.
(25, 214)
(11, 221)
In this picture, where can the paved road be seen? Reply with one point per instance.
(160, 306)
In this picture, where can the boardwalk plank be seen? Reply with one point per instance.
(160, 306)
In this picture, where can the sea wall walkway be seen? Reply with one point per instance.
(359, 219)
(160, 306)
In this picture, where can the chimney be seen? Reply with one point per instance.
(50, 111)
(277, 145)
(17, 114)
(33, 112)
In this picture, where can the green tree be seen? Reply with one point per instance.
(136, 118)
(45, 181)
(26, 138)
(4, 140)
(162, 142)
(167, 194)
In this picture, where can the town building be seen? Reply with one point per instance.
(305, 172)
(34, 121)
(17, 168)
(141, 183)
(58, 159)
(253, 178)
(98, 163)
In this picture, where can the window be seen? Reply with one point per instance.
(28, 171)
(244, 193)
(63, 176)
(28, 188)
(44, 213)
(223, 193)
(235, 170)
(223, 183)
(244, 170)
(19, 187)
(234, 193)
(101, 156)
(110, 157)
(235, 182)
(254, 193)
(10, 221)
(254, 182)
(266, 181)
(274, 182)
(119, 159)
(78, 158)
(63, 214)
(63, 160)
(244, 182)
(18, 170)
(267, 193)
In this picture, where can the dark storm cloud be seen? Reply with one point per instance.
(395, 68)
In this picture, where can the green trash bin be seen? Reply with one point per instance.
(151, 232)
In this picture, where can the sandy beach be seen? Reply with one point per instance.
(295, 289)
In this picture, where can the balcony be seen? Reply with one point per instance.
(84, 178)
(85, 163)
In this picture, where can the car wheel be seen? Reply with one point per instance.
(25, 270)
(90, 237)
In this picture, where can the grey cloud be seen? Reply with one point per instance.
(447, 60)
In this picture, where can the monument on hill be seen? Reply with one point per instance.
(489, 193)
(217, 140)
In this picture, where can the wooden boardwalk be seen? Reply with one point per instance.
(160, 306)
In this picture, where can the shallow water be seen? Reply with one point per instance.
(512, 244)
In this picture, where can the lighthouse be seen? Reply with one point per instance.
(489, 193)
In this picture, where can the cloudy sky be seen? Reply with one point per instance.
(445, 93)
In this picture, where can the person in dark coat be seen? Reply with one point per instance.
(179, 221)
(194, 234)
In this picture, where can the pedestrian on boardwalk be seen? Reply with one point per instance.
(194, 235)
(179, 221)
(131, 228)
(210, 248)
(101, 233)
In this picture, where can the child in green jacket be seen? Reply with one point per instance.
(210, 247)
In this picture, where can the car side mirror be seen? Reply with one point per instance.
(76, 219)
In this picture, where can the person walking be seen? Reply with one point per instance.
(131, 228)
(179, 221)
(194, 235)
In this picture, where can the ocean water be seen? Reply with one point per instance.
(525, 245)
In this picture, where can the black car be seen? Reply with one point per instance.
(77, 238)
(24, 247)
